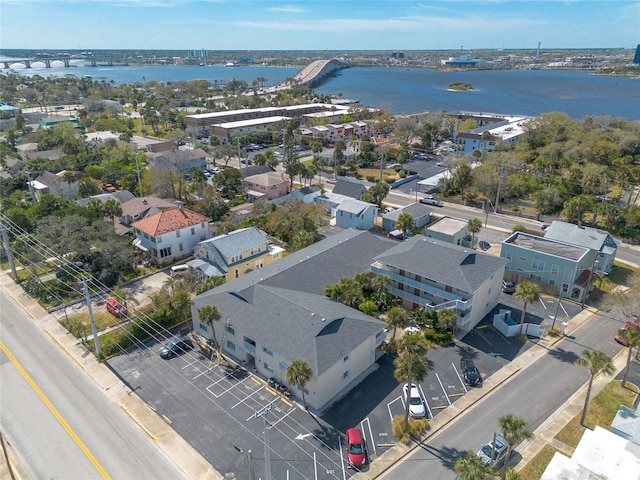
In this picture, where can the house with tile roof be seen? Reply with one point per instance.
(279, 313)
(234, 254)
(599, 241)
(171, 234)
(438, 275)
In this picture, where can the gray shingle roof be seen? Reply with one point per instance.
(300, 325)
(416, 210)
(588, 237)
(237, 241)
(461, 268)
(349, 189)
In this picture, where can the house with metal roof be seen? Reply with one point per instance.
(559, 268)
(234, 254)
(279, 313)
(437, 275)
(592, 238)
(355, 214)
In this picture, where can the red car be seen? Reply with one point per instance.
(621, 335)
(356, 449)
(116, 308)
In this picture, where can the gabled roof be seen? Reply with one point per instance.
(305, 326)
(169, 221)
(255, 170)
(416, 210)
(267, 179)
(237, 241)
(120, 196)
(355, 207)
(309, 189)
(136, 205)
(349, 189)
(588, 237)
(54, 154)
(461, 268)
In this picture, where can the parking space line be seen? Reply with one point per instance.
(444, 391)
(542, 303)
(370, 433)
(424, 397)
(393, 401)
(263, 409)
(459, 378)
(190, 363)
(245, 398)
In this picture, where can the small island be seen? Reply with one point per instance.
(461, 87)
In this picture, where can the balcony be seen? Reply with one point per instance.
(458, 304)
(420, 286)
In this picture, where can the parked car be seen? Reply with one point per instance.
(484, 246)
(413, 396)
(330, 145)
(115, 308)
(421, 156)
(429, 200)
(493, 453)
(470, 373)
(508, 287)
(356, 448)
(621, 336)
(175, 347)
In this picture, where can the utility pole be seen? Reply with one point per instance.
(555, 316)
(94, 330)
(139, 181)
(7, 249)
(589, 280)
(267, 453)
(500, 177)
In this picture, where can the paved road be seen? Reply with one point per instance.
(69, 430)
(534, 393)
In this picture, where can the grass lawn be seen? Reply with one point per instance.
(535, 468)
(102, 318)
(602, 410)
(619, 275)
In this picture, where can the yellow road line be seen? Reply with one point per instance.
(55, 412)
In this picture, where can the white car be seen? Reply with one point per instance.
(493, 454)
(413, 396)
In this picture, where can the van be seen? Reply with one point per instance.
(178, 270)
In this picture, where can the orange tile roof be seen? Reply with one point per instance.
(169, 221)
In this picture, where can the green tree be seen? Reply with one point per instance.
(397, 318)
(200, 179)
(181, 302)
(596, 362)
(514, 430)
(299, 373)
(405, 222)
(632, 339)
(474, 225)
(379, 285)
(527, 292)
(112, 209)
(413, 349)
(209, 314)
(448, 319)
(470, 468)
(376, 194)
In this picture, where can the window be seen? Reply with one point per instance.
(180, 247)
(268, 367)
(177, 233)
(237, 272)
(165, 252)
(552, 281)
(508, 255)
(203, 327)
(345, 359)
(158, 239)
(267, 351)
(533, 276)
(537, 264)
(231, 345)
(565, 288)
(568, 273)
(522, 259)
(345, 374)
(231, 330)
(555, 269)
(193, 231)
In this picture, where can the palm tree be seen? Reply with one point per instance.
(200, 179)
(181, 301)
(69, 177)
(526, 292)
(112, 209)
(474, 225)
(632, 338)
(209, 314)
(514, 430)
(596, 362)
(405, 222)
(411, 363)
(299, 373)
(448, 319)
(379, 285)
(471, 468)
(397, 317)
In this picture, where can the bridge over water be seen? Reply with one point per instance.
(314, 73)
(65, 59)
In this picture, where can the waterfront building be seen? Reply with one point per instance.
(491, 129)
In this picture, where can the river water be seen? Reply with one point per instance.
(412, 90)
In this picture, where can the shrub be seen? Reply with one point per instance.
(415, 428)
(439, 337)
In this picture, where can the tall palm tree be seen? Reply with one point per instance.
(632, 339)
(181, 302)
(474, 225)
(471, 468)
(112, 209)
(514, 430)
(596, 362)
(200, 179)
(448, 319)
(411, 363)
(209, 314)
(379, 285)
(298, 373)
(397, 317)
(526, 292)
(405, 222)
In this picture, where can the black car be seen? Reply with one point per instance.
(470, 373)
(176, 347)
(508, 287)
(484, 246)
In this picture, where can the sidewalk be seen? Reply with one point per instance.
(170, 444)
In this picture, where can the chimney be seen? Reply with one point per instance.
(179, 204)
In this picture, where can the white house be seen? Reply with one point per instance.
(171, 234)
